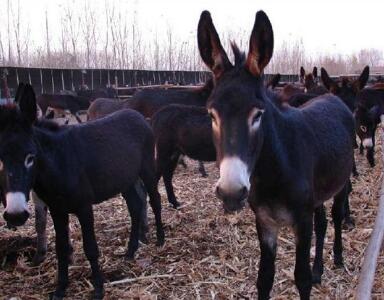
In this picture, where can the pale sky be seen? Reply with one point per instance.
(324, 25)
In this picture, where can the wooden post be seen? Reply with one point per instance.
(367, 274)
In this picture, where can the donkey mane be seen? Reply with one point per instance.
(238, 54)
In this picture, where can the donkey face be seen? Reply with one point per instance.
(236, 105)
(347, 90)
(17, 154)
(366, 123)
(309, 80)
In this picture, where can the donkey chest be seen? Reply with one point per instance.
(275, 216)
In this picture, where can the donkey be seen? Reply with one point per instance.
(180, 130)
(74, 104)
(68, 166)
(149, 101)
(370, 108)
(285, 161)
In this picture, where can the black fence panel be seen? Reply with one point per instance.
(47, 81)
(67, 75)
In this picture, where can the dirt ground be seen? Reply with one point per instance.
(207, 255)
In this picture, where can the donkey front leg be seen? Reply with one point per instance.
(40, 226)
(60, 222)
(91, 250)
(267, 238)
(320, 230)
(303, 275)
(337, 216)
(135, 207)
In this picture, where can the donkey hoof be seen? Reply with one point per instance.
(143, 239)
(129, 255)
(54, 296)
(160, 242)
(97, 294)
(37, 259)
(316, 278)
(349, 224)
(339, 264)
(176, 204)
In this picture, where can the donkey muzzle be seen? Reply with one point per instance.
(16, 211)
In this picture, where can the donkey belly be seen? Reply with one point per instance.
(329, 182)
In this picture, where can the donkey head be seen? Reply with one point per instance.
(347, 90)
(309, 80)
(236, 105)
(18, 150)
(366, 123)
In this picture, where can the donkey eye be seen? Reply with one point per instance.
(29, 160)
(363, 128)
(257, 117)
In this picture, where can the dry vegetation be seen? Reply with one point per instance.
(207, 255)
(111, 35)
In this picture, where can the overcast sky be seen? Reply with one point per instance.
(342, 26)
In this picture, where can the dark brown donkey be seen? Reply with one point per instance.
(73, 167)
(149, 101)
(181, 130)
(286, 161)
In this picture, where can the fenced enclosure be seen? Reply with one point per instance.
(55, 80)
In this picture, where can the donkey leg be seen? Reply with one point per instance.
(267, 239)
(40, 226)
(60, 222)
(135, 207)
(320, 230)
(91, 250)
(168, 170)
(354, 168)
(349, 223)
(303, 274)
(202, 169)
(148, 176)
(337, 217)
(361, 148)
(371, 153)
(143, 230)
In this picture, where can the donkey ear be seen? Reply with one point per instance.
(328, 82)
(314, 72)
(260, 44)
(302, 72)
(19, 92)
(211, 50)
(27, 103)
(360, 83)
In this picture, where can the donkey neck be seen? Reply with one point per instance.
(55, 160)
(273, 155)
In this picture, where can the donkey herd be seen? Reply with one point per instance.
(284, 150)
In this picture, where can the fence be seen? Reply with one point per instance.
(56, 80)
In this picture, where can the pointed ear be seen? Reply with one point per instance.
(211, 50)
(302, 72)
(328, 82)
(19, 92)
(314, 72)
(360, 83)
(27, 103)
(260, 45)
